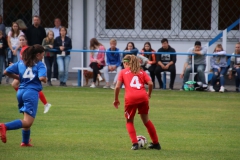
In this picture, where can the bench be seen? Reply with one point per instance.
(80, 74)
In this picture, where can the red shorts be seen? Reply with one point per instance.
(130, 110)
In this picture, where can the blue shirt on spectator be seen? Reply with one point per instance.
(113, 58)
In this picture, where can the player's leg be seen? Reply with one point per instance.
(130, 112)
(143, 111)
(43, 99)
(27, 122)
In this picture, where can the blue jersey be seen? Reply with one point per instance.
(28, 76)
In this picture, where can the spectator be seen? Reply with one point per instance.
(57, 26)
(166, 62)
(35, 33)
(113, 63)
(235, 66)
(199, 63)
(13, 43)
(219, 67)
(63, 44)
(49, 56)
(129, 50)
(97, 60)
(3, 46)
(152, 60)
(2, 27)
(22, 26)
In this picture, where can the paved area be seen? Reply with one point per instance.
(72, 82)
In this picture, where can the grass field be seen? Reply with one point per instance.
(83, 124)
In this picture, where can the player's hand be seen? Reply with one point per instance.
(230, 76)
(116, 103)
(219, 70)
(149, 96)
(181, 75)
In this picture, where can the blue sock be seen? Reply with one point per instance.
(25, 136)
(16, 124)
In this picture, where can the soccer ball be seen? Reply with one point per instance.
(142, 141)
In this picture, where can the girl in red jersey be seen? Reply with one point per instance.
(136, 98)
(15, 83)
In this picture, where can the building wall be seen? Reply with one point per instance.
(77, 37)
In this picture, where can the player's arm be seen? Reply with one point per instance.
(43, 79)
(11, 75)
(150, 87)
(116, 102)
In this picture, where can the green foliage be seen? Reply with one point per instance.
(83, 124)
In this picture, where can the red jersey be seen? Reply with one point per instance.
(22, 50)
(135, 91)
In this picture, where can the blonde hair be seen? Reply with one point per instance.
(218, 46)
(113, 40)
(50, 40)
(21, 24)
(133, 63)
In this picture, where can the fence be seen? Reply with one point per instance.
(173, 19)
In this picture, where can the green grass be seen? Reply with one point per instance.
(83, 124)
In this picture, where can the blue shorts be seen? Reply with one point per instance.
(28, 101)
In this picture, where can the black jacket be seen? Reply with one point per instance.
(166, 58)
(67, 44)
(4, 45)
(35, 35)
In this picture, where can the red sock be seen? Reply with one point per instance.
(16, 89)
(131, 132)
(42, 97)
(152, 132)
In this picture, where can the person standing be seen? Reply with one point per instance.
(56, 29)
(166, 62)
(35, 33)
(136, 98)
(3, 46)
(13, 43)
(49, 56)
(63, 43)
(2, 27)
(30, 72)
(235, 66)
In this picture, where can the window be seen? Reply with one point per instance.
(15, 9)
(49, 10)
(120, 14)
(196, 15)
(229, 12)
(156, 14)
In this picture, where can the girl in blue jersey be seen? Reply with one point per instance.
(30, 71)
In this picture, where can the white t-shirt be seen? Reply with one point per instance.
(14, 40)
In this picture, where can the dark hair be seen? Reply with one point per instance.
(149, 56)
(197, 43)
(57, 18)
(62, 27)
(36, 16)
(93, 43)
(149, 45)
(12, 31)
(130, 43)
(23, 37)
(29, 54)
(164, 40)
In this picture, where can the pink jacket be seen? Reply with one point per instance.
(100, 56)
